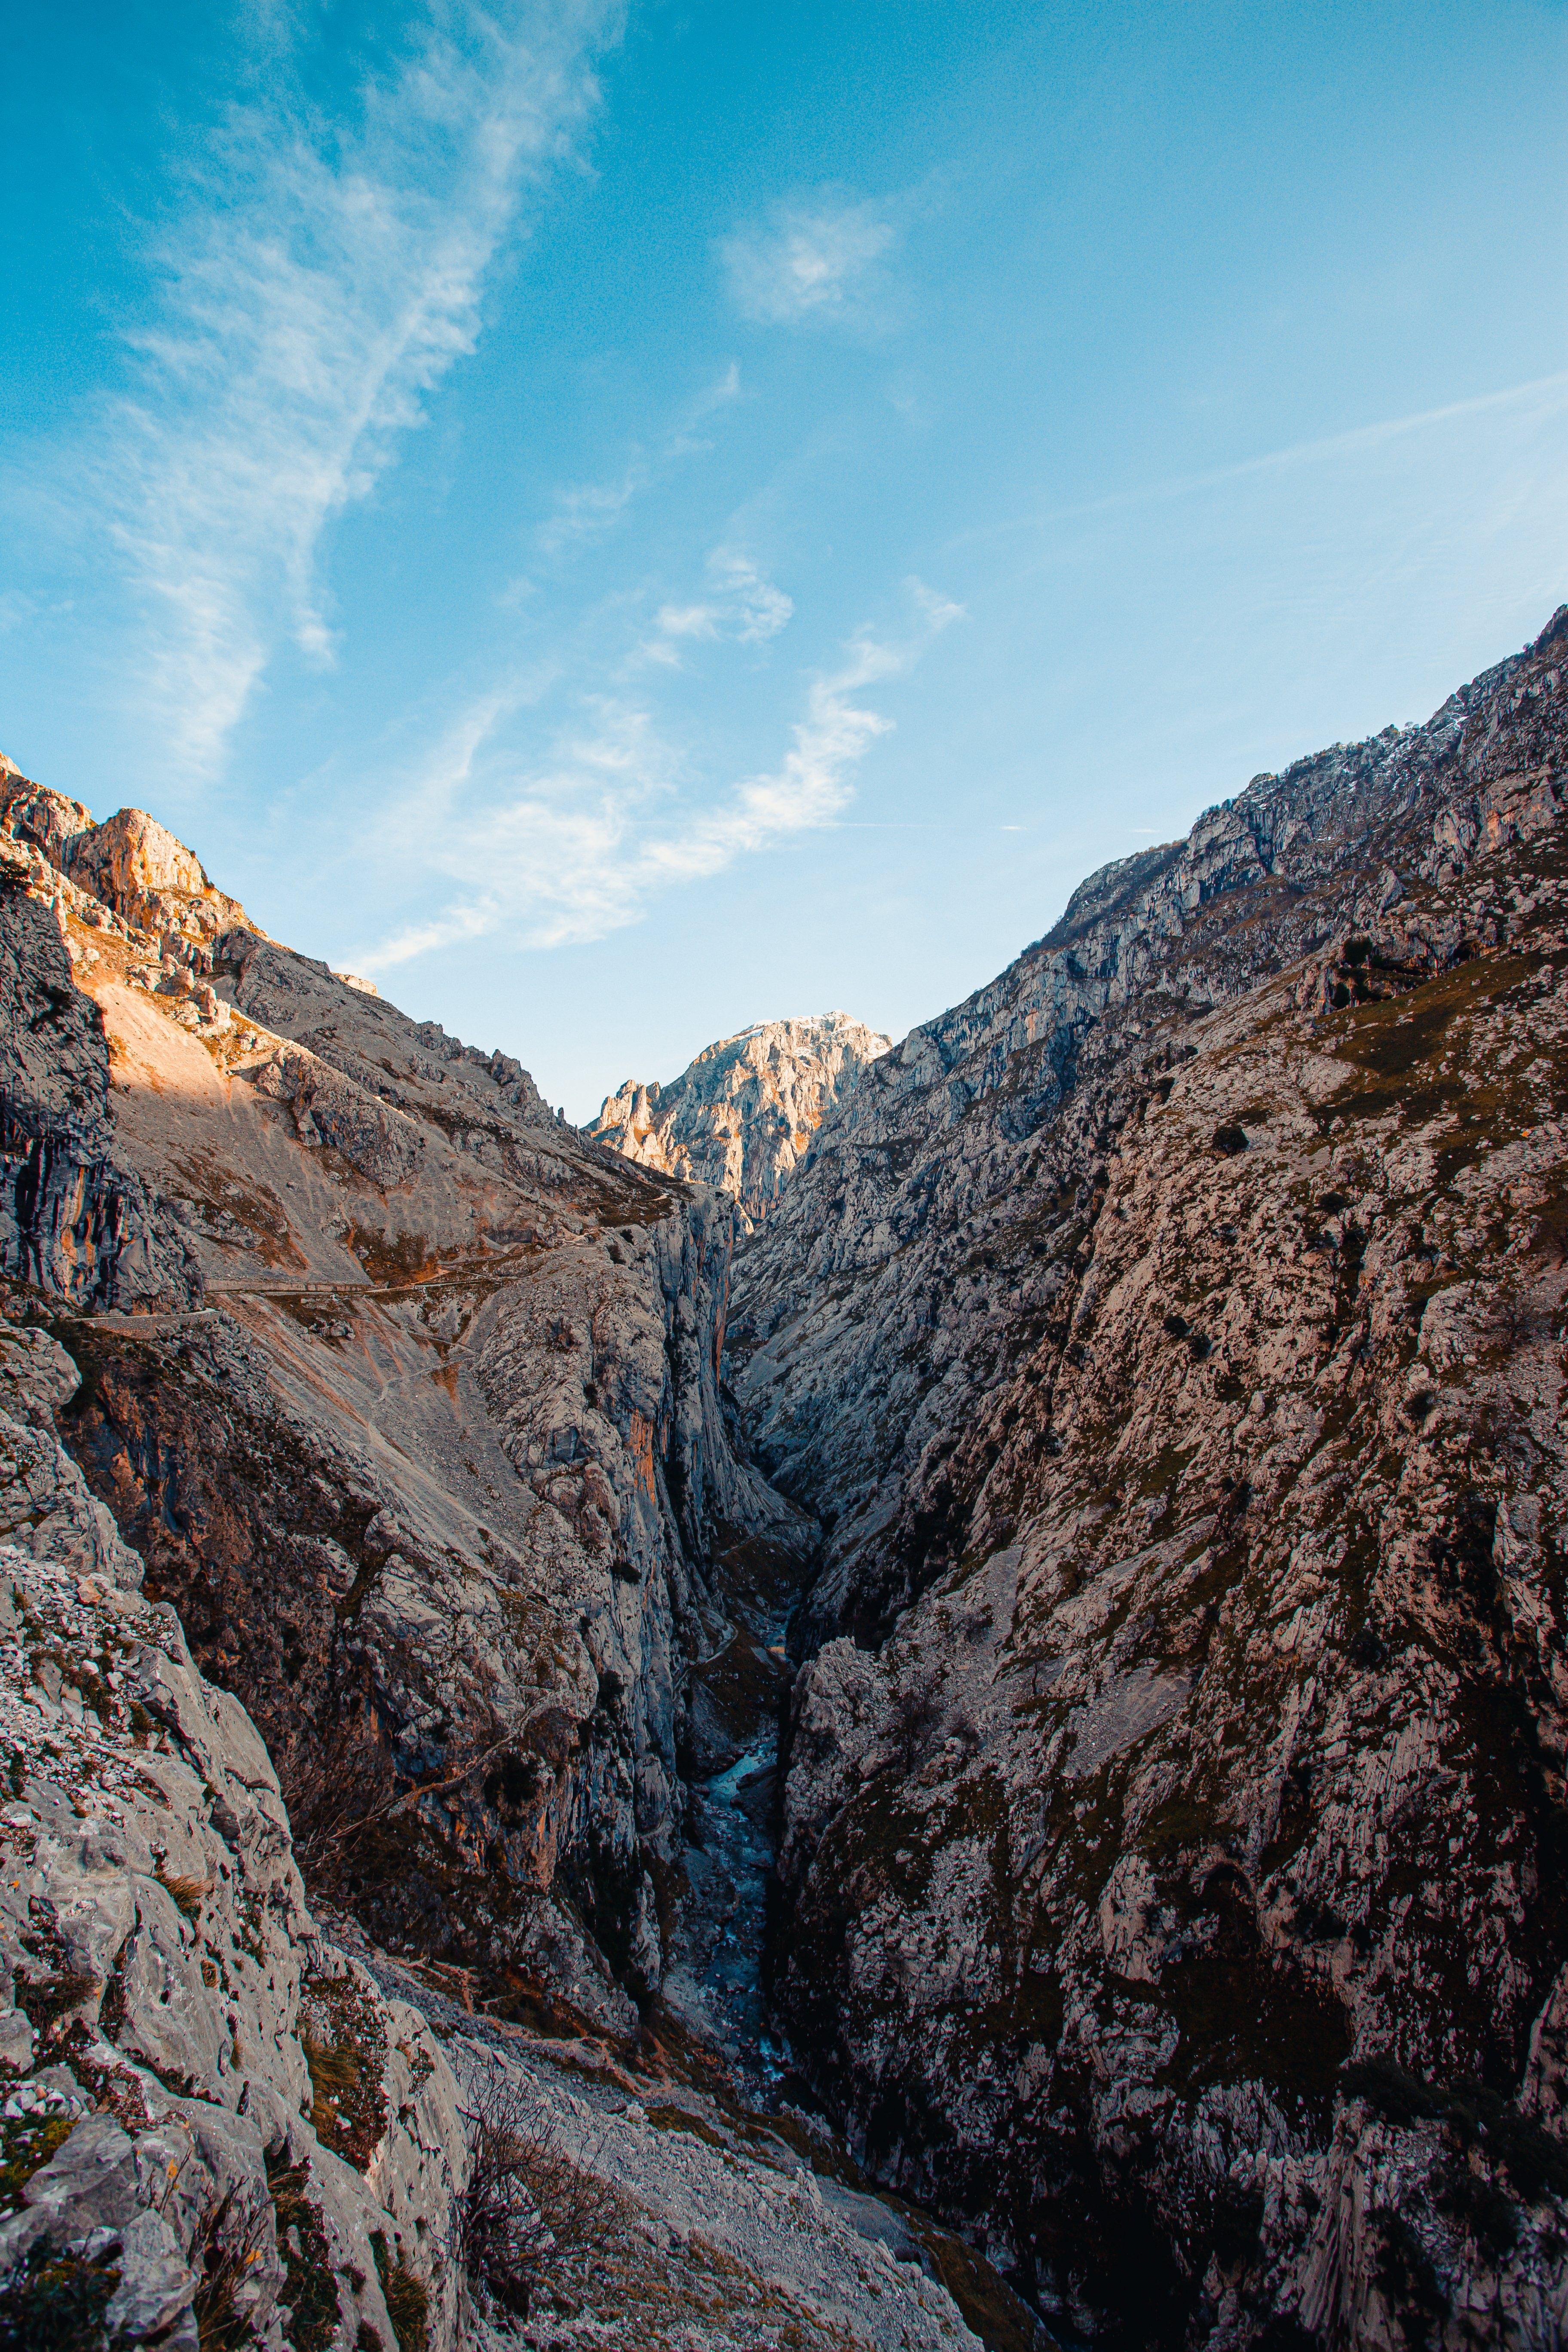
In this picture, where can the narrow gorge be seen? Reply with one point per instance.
(941, 1667)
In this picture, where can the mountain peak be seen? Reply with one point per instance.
(742, 1113)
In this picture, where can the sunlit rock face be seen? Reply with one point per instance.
(417, 1418)
(1169, 1341)
(742, 1116)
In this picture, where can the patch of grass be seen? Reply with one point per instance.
(25, 2147)
(187, 1895)
(407, 2296)
(309, 2291)
(345, 2050)
(391, 1258)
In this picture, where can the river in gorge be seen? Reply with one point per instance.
(739, 1682)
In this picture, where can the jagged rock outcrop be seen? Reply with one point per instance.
(166, 1989)
(74, 1218)
(741, 1116)
(423, 1438)
(1170, 1339)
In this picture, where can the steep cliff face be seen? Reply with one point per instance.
(74, 1217)
(741, 1116)
(923, 1246)
(171, 2170)
(1171, 1339)
(423, 1436)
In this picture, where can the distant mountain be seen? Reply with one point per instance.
(742, 1115)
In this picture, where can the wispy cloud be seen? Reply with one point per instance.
(317, 283)
(578, 849)
(810, 261)
(1545, 396)
(585, 511)
(741, 605)
(719, 393)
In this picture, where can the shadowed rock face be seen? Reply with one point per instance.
(1170, 1339)
(74, 1218)
(422, 1435)
(741, 1116)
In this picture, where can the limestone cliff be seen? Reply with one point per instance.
(741, 1116)
(1170, 1339)
(171, 2170)
(417, 1422)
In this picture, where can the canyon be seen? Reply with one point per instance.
(947, 1658)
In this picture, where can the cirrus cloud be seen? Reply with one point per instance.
(316, 284)
(579, 845)
(742, 605)
(810, 261)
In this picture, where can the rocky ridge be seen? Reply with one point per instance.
(1169, 1341)
(741, 1116)
(415, 1413)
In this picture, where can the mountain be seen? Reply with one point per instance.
(1047, 1651)
(415, 1419)
(1169, 1341)
(368, 1511)
(741, 1116)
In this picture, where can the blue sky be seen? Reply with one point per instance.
(623, 523)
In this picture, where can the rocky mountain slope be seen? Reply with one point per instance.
(165, 1980)
(741, 1116)
(1170, 1340)
(220, 2127)
(406, 1393)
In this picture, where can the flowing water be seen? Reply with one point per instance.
(738, 1690)
(719, 1973)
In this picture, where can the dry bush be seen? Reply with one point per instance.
(332, 1794)
(916, 1712)
(230, 2238)
(530, 2203)
(54, 2302)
